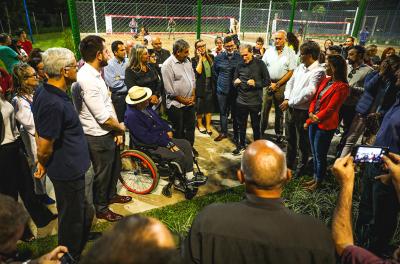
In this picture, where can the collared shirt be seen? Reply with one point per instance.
(179, 80)
(356, 77)
(257, 230)
(97, 106)
(279, 64)
(114, 75)
(301, 88)
(56, 119)
(224, 68)
(389, 132)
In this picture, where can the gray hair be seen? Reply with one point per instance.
(55, 59)
(247, 46)
(283, 32)
(179, 45)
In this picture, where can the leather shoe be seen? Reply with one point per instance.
(120, 199)
(109, 216)
(220, 137)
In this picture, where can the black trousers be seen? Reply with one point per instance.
(16, 178)
(184, 157)
(74, 214)
(183, 122)
(346, 114)
(378, 212)
(106, 162)
(297, 138)
(242, 114)
(119, 103)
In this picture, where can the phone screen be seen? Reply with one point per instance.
(368, 154)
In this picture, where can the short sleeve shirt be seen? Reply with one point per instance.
(55, 118)
(279, 65)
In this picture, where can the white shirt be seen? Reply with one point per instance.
(97, 106)
(179, 80)
(24, 115)
(279, 64)
(10, 127)
(301, 88)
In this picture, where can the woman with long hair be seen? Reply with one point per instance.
(328, 43)
(140, 73)
(293, 42)
(26, 80)
(324, 115)
(387, 52)
(202, 66)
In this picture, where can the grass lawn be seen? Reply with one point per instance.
(178, 217)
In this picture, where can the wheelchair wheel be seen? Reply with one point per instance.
(139, 173)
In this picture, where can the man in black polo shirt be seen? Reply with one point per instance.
(62, 148)
(260, 229)
(251, 76)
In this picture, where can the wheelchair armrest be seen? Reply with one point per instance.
(144, 146)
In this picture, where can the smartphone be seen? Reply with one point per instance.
(67, 259)
(369, 154)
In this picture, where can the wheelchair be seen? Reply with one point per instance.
(141, 169)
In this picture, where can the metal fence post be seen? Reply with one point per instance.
(74, 26)
(94, 16)
(28, 21)
(360, 15)
(293, 12)
(198, 30)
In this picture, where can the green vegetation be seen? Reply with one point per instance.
(55, 39)
(178, 217)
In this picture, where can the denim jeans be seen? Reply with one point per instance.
(227, 103)
(320, 141)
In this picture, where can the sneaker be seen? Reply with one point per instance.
(238, 151)
(199, 179)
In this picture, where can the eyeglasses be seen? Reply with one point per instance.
(72, 67)
(201, 46)
(351, 73)
(33, 75)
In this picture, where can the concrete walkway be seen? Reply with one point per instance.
(215, 160)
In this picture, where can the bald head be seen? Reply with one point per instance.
(264, 164)
(156, 43)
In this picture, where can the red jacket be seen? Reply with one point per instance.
(330, 104)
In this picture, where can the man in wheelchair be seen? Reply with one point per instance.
(146, 127)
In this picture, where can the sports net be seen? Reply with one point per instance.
(117, 24)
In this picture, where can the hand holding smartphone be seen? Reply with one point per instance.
(369, 154)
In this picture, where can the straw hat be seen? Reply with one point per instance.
(137, 94)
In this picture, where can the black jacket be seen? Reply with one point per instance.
(256, 70)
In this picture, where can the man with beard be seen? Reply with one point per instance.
(103, 131)
(357, 71)
(62, 149)
(224, 66)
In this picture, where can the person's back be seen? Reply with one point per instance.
(259, 229)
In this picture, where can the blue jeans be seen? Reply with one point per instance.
(320, 141)
(226, 103)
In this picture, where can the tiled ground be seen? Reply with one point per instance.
(215, 160)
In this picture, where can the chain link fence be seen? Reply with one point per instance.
(313, 19)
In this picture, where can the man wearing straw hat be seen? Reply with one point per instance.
(147, 127)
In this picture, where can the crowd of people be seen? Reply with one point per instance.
(73, 137)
